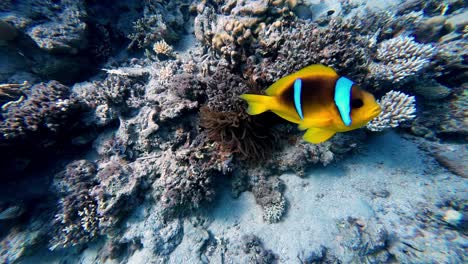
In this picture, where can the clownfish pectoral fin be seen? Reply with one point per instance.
(317, 135)
(258, 103)
(315, 122)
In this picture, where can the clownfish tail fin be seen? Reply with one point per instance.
(258, 103)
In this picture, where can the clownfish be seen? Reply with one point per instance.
(318, 100)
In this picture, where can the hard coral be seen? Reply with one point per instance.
(46, 111)
(161, 20)
(232, 36)
(188, 177)
(302, 43)
(397, 107)
(77, 221)
(400, 57)
(268, 194)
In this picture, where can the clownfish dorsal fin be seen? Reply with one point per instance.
(313, 70)
(343, 97)
(317, 135)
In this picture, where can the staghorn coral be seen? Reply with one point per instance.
(397, 107)
(46, 111)
(399, 58)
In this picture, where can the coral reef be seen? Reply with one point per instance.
(399, 58)
(156, 137)
(339, 45)
(187, 177)
(231, 27)
(160, 21)
(397, 107)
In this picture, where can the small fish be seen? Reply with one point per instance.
(318, 100)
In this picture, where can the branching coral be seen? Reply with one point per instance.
(77, 221)
(232, 36)
(188, 176)
(302, 43)
(47, 110)
(92, 199)
(161, 47)
(161, 20)
(397, 107)
(400, 58)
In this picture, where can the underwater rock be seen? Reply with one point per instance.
(158, 236)
(369, 238)
(453, 157)
(254, 248)
(432, 29)
(195, 244)
(20, 242)
(431, 90)
(7, 31)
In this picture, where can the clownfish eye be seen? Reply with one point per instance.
(356, 103)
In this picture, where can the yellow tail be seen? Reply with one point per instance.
(258, 103)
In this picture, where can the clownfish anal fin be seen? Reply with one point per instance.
(317, 135)
(314, 122)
